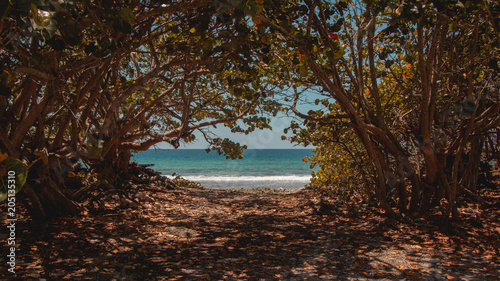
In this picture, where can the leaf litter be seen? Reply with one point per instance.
(206, 234)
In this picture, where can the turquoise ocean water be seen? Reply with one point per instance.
(271, 168)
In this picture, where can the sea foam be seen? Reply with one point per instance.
(284, 178)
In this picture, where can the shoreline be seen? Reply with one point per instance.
(263, 190)
(280, 184)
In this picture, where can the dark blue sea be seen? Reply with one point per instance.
(259, 168)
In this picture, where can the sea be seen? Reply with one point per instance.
(259, 168)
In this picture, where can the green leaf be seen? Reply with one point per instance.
(452, 27)
(249, 7)
(388, 63)
(5, 78)
(127, 15)
(303, 72)
(468, 108)
(34, 10)
(14, 174)
(122, 26)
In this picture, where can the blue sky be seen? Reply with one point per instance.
(259, 139)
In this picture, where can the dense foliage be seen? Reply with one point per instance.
(410, 96)
(86, 83)
(408, 114)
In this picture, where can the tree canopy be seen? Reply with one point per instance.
(409, 113)
(414, 84)
(88, 83)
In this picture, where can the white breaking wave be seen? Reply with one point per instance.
(286, 178)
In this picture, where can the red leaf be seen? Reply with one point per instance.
(333, 36)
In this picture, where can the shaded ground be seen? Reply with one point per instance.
(202, 234)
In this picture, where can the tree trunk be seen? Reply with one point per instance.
(46, 199)
(471, 174)
(380, 168)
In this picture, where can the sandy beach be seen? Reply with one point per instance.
(206, 234)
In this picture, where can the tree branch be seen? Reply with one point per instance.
(36, 73)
